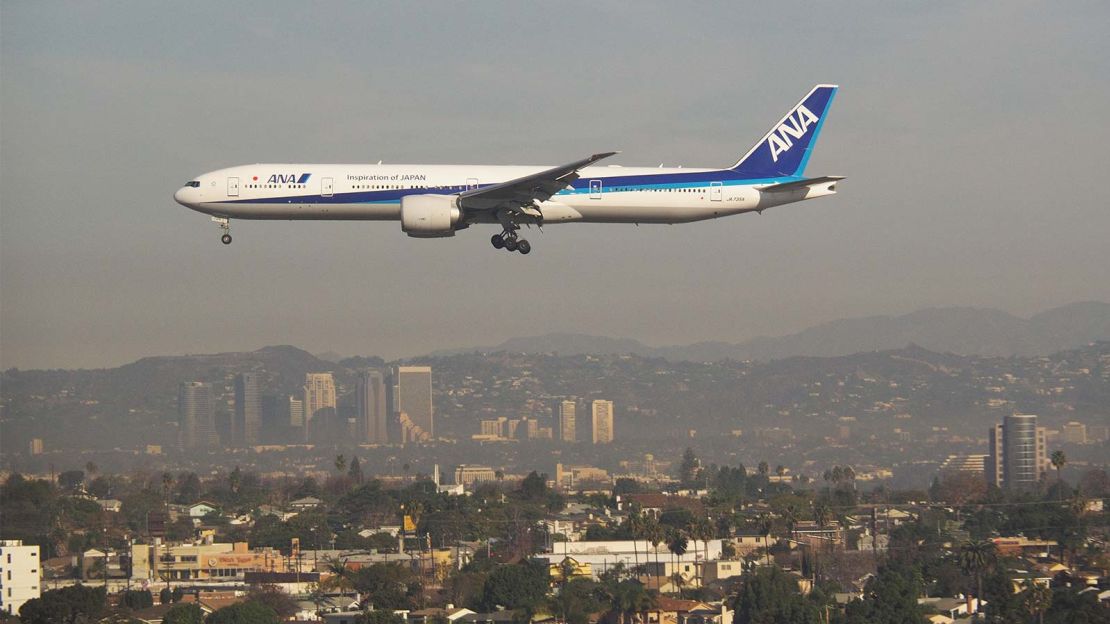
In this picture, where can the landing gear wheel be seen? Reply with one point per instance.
(511, 244)
(497, 241)
(523, 247)
(226, 239)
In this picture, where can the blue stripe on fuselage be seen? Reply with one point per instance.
(628, 183)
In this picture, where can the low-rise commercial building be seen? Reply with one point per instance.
(20, 570)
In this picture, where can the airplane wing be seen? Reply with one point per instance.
(528, 190)
(799, 184)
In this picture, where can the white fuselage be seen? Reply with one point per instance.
(602, 194)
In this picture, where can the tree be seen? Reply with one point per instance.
(380, 616)
(534, 487)
(165, 596)
(765, 525)
(274, 598)
(340, 577)
(355, 472)
(889, 598)
(184, 613)
(1036, 598)
(340, 463)
(137, 599)
(390, 585)
(577, 599)
(976, 557)
(676, 543)
(515, 586)
(769, 595)
(688, 469)
(71, 479)
(1058, 460)
(248, 612)
(235, 480)
(628, 598)
(69, 605)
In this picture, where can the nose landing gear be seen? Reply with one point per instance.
(224, 224)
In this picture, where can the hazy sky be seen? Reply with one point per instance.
(974, 137)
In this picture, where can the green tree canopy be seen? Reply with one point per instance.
(768, 596)
(889, 598)
(515, 586)
(68, 605)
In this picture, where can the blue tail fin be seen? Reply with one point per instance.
(785, 150)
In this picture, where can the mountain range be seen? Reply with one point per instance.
(960, 330)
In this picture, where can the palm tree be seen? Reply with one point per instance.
(340, 577)
(1036, 599)
(1058, 460)
(821, 512)
(765, 525)
(635, 528)
(977, 557)
(167, 485)
(791, 514)
(628, 598)
(654, 533)
(676, 543)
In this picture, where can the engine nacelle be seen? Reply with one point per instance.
(430, 216)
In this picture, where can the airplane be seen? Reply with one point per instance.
(435, 201)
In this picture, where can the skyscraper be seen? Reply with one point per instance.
(196, 415)
(370, 400)
(566, 425)
(296, 413)
(319, 394)
(602, 412)
(1018, 452)
(246, 424)
(412, 395)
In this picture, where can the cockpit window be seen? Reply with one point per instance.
(194, 184)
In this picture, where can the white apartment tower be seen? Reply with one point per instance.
(602, 417)
(566, 424)
(20, 571)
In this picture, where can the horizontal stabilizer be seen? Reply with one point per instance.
(798, 185)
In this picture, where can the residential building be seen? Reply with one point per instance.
(319, 395)
(35, 447)
(372, 415)
(572, 476)
(494, 428)
(20, 571)
(247, 423)
(1075, 433)
(196, 416)
(565, 418)
(602, 421)
(1018, 452)
(411, 394)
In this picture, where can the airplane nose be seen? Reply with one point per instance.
(180, 196)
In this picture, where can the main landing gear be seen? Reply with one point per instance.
(509, 241)
(225, 224)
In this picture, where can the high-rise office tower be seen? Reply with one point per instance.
(565, 426)
(296, 413)
(370, 402)
(319, 394)
(1018, 452)
(196, 415)
(602, 412)
(412, 395)
(247, 423)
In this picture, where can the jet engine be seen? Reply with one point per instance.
(430, 216)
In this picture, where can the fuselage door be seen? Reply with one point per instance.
(233, 187)
(327, 187)
(715, 191)
(471, 184)
(595, 189)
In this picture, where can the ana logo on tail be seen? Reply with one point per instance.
(795, 126)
